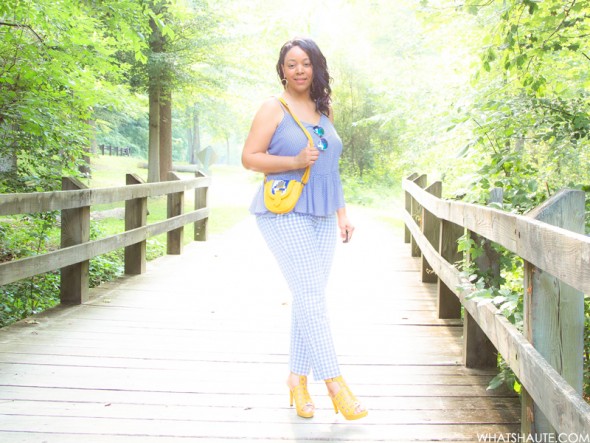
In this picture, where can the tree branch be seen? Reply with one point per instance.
(565, 16)
(18, 25)
(486, 134)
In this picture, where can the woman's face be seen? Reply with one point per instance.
(297, 69)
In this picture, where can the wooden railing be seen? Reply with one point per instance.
(74, 202)
(547, 357)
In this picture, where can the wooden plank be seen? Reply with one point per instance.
(567, 411)
(570, 257)
(27, 267)
(75, 230)
(408, 205)
(162, 381)
(293, 430)
(174, 207)
(261, 400)
(431, 230)
(448, 305)
(201, 196)
(479, 351)
(416, 211)
(30, 202)
(206, 353)
(206, 370)
(135, 217)
(260, 413)
(554, 311)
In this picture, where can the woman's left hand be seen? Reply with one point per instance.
(346, 228)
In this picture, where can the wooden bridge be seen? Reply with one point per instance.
(193, 346)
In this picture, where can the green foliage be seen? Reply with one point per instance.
(122, 129)
(529, 119)
(530, 116)
(504, 291)
(58, 63)
(22, 237)
(505, 377)
(27, 297)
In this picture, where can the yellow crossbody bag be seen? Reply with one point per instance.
(281, 196)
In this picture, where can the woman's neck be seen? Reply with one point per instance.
(296, 97)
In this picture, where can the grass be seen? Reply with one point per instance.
(110, 171)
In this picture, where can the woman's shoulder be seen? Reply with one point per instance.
(271, 104)
(270, 109)
(269, 115)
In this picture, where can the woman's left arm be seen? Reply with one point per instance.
(344, 225)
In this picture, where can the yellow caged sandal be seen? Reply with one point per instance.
(303, 404)
(345, 401)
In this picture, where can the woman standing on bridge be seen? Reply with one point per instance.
(303, 241)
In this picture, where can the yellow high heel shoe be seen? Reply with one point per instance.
(345, 401)
(303, 404)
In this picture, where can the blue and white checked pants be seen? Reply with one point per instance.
(304, 246)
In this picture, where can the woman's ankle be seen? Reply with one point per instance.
(294, 379)
(333, 385)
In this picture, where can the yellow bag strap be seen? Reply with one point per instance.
(307, 134)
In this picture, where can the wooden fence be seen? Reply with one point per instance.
(115, 150)
(74, 202)
(547, 357)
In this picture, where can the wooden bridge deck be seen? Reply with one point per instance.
(195, 350)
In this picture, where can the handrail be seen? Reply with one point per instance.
(26, 203)
(77, 249)
(29, 266)
(569, 260)
(570, 257)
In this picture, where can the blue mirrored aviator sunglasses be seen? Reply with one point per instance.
(323, 143)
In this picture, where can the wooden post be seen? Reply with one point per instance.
(554, 311)
(175, 207)
(431, 230)
(75, 229)
(478, 350)
(408, 197)
(201, 202)
(448, 304)
(135, 217)
(416, 212)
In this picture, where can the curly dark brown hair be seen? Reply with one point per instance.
(320, 86)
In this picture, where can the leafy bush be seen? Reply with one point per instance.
(27, 297)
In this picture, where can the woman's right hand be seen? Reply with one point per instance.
(307, 157)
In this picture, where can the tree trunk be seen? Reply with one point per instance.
(154, 135)
(189, 150)
(165, 134)
(196, 134)
(155, 86)
(84, 168)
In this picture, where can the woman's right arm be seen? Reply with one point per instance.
(254, 154)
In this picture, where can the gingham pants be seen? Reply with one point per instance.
(303, 246)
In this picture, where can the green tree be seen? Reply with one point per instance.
(532, 110)
(57, 62)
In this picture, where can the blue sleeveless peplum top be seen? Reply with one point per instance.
(322, 195)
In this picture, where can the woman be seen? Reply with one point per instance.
(303, 241)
